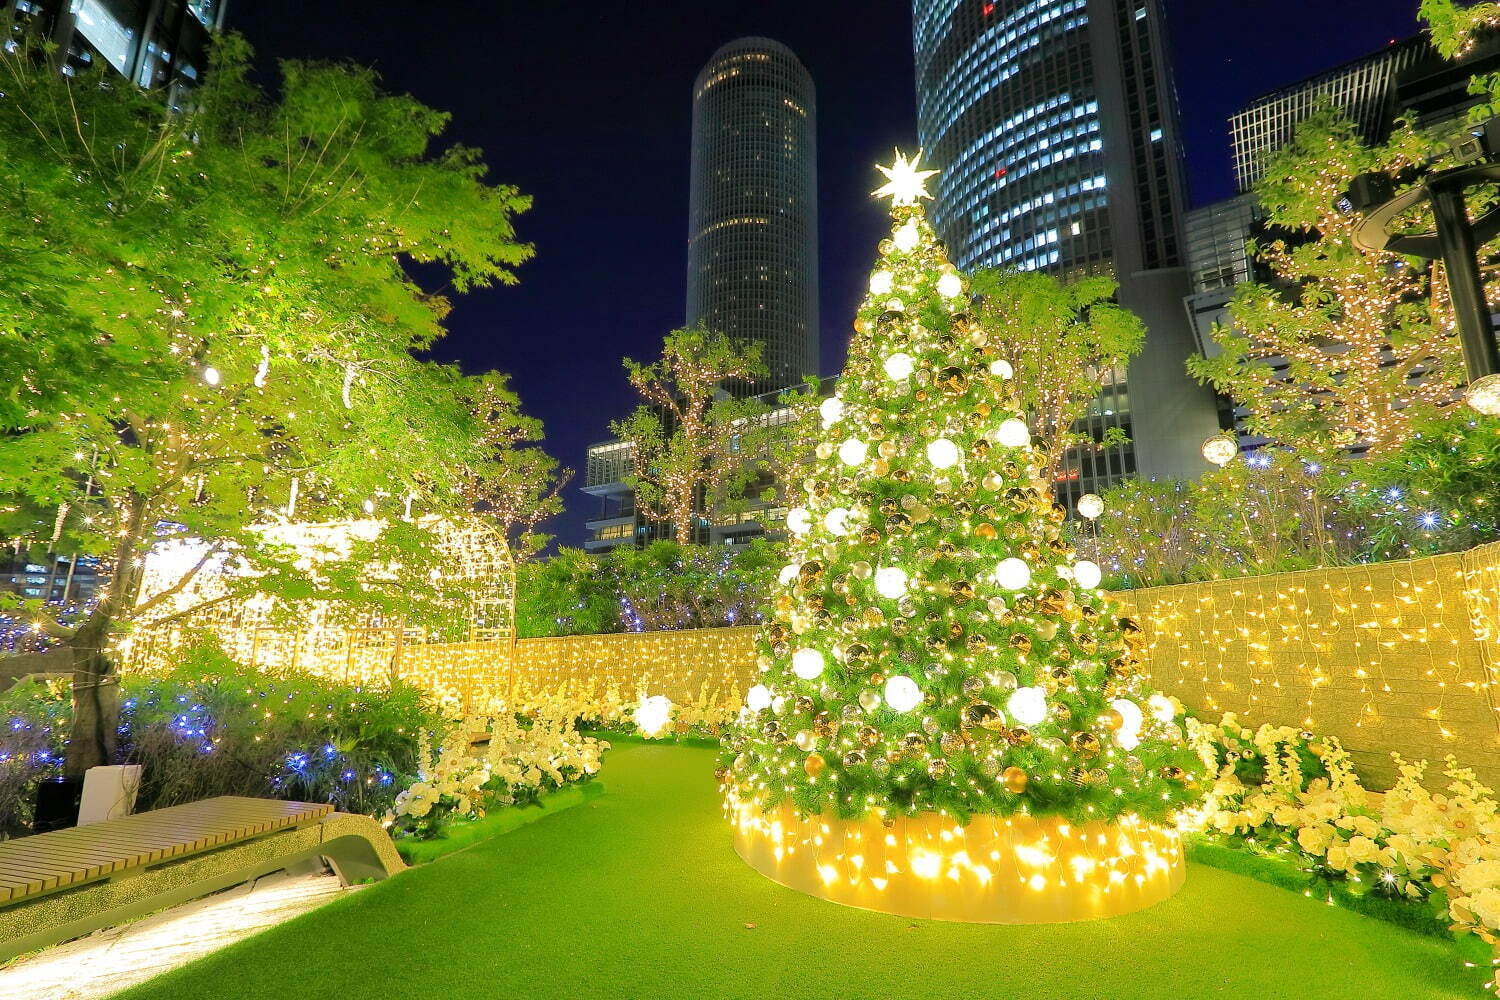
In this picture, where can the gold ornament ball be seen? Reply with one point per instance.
(814, 764)
(1015, 780)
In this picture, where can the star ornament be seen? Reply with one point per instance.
(905, 184)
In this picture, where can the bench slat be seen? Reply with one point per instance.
(45, 862)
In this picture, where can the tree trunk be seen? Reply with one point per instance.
(96, 699)
(96, 686)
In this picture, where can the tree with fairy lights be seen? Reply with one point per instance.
(1346, 349)
(936, 645)
(690, 439)
(210, 327)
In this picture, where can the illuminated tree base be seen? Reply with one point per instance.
(995, 870)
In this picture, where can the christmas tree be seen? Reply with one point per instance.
(936, 646)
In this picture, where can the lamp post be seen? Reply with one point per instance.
(1455, 240)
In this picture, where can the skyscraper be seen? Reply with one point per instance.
(162, 44)
(1055, 124)
(753, 218)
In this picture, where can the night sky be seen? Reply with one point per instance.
(587, 107)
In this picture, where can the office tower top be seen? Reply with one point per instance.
(1055, 125)
(753, 219)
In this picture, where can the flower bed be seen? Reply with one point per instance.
(521, 761)
(1291, 800)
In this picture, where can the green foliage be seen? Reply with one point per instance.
(1270, 514)
(1063, 339)
(695, 448)
(568, 594)
(1439, 493)
(33, 734)
(511, 480)
(663, 586)
(1454, 28)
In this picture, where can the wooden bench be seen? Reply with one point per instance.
(67, 883)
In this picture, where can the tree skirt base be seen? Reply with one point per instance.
(995, 870)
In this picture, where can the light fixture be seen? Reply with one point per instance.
(1484, 395)
(853, 451)
(1013, 573)
(1027, 705)
(890, 582)
(899, 366)
(1221, 449)
(1013, 433)
(1090, 505)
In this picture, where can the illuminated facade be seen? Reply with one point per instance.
(1055, 124)
(155, 45)
(753, 215)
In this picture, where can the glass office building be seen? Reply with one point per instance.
(1055, 125)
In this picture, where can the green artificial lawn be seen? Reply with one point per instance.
(464, 834)
(638, 894)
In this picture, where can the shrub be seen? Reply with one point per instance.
(1270, 513)
(33, 724)
(212, 727)
(663, 586)
(1439, 493)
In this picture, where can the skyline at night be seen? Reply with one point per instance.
(593, 119)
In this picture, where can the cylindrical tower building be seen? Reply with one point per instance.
(753, 213)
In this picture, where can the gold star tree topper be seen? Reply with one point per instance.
(905, 184)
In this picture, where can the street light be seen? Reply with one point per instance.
(1455, 239)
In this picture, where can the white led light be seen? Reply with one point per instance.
(653, 714)
(1087, 573)
(1002, 368)
(942, 453)
(807, 663)
(788, 574)
(1013, 433)
(832, 410)
(890, 582)
(899, 366)
(1013, 573)
(950, 285)
(837, 521)
(907, 237)
(758, 698)
(881, 282)
(902, 693)
(853, 451)
(1027, 705)
(211, 375)
(1090, 505)
(1162, 709)
(798, 520)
